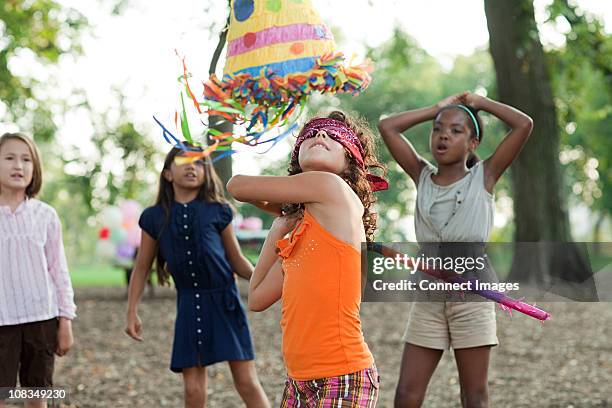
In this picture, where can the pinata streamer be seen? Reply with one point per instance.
(279, 52)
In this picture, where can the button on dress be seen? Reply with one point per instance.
(211, 324)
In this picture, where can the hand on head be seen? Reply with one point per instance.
(452, 100)
(464, 98)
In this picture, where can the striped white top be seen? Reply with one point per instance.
(34, 280)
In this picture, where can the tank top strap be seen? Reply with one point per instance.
(286, 245)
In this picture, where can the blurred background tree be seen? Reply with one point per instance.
(39, 33)
(117, 157)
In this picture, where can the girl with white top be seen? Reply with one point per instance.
(454, 204)
(36, 296)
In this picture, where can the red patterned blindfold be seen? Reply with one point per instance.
(343, 134)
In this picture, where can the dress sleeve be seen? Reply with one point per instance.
(148, 222)
(225, 217)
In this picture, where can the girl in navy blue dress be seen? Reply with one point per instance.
(189, 233)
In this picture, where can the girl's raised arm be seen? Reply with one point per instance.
(308, 187)
(520, 128)
(270, 208)
(140, 275)
(401, 149)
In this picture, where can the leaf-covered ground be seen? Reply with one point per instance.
(565, 362)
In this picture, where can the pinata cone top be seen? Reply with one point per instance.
(278, 53)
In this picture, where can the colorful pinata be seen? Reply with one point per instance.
(278, 53)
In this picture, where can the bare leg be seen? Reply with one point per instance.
(473, 366)
(36, 404)
(418, 365)
(247, 384)
(195, 381)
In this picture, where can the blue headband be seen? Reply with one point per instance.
(470, 114)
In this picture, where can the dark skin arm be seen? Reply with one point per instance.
(401, 149)
(506, 152)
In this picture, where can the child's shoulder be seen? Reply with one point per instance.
(218, 213)
(153, 212)
(217, 205)
(152, 219)
(154, 209)
(208, 205)
(426, 172)
(41, 208)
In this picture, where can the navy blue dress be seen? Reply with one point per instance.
(211, 324)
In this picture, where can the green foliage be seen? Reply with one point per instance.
(41, 30)
(582, 81)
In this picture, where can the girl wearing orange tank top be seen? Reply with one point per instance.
(326, 205)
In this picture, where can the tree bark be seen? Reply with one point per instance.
(539, 206)
(223, 167)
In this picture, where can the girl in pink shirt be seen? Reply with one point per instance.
(36, 296)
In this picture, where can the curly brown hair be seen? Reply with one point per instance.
(355, 176)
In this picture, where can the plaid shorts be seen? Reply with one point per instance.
(359, 389)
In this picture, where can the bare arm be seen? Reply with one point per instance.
(140, 275)
(240, 264)
(401, 149)
(309, 187)
(266, 285)
(520, 128)
(270, 208)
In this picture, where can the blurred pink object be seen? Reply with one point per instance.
(252, 224)
(133, 236)
(130, 210)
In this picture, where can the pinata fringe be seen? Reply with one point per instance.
(277, 97)
(262, 103)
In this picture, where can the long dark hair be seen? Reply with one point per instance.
(211, 191)
(473, 157)
(355, 176)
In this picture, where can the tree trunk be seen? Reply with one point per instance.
(601, 217)
(539, 205)
(223, 167)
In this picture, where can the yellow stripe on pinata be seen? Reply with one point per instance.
(278, 53)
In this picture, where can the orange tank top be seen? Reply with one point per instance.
(321, 297)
